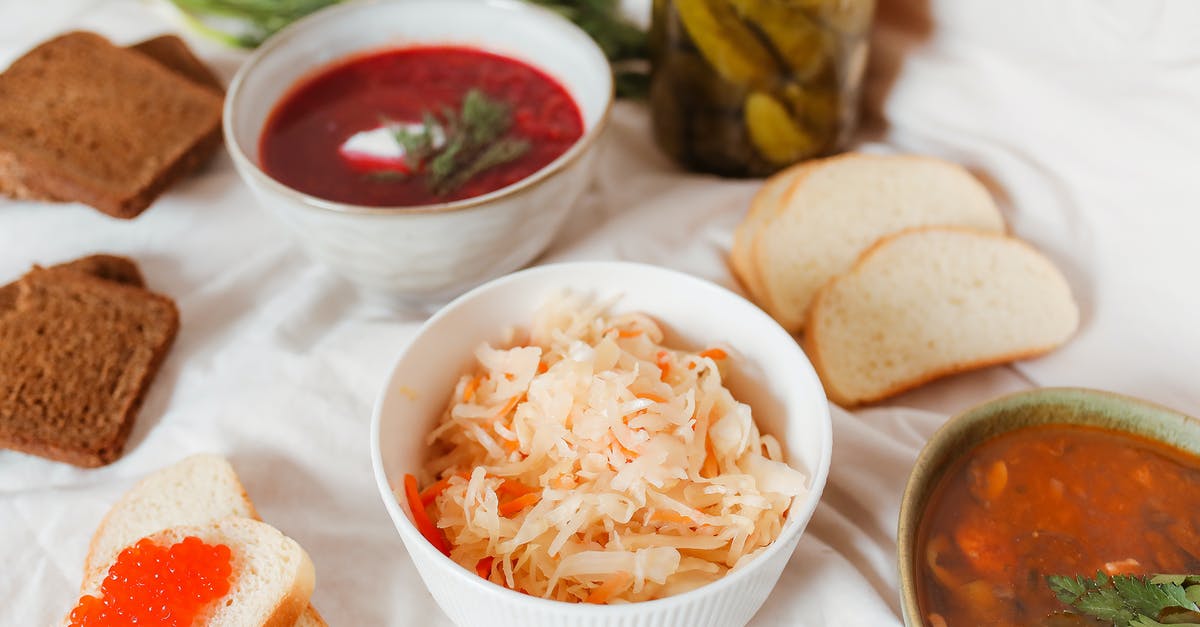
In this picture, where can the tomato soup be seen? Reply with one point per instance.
(1052, 500)
(419, 125)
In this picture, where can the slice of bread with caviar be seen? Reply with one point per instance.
(87, 121)
(196, 490)
(269, 582)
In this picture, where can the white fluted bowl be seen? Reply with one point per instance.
(769, 372)
(429, 253)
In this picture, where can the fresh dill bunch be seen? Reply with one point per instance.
(247, 23)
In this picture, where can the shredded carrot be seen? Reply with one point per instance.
(511, 445)
(652, 397)
(670, 516)
(510, 376)
(421, 517)
(430, 493)
(611, 586)
(469, 389)
(519, 503)
(543, 367)
(483, 567)
(710, 468)
(628, 333)
(508, 407)
(663, 364)
(714, 353)
(691, 365)
(512, 487)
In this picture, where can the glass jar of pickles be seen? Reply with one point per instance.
(747, 87)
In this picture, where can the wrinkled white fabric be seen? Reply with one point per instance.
(1081, 115)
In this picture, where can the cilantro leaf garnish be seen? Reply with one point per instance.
(1130, 600)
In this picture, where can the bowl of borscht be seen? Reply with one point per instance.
(1052, 508)
(421, 147)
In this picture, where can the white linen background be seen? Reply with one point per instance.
(1083, 116)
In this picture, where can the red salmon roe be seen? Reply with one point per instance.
(153, 585)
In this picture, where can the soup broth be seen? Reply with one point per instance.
(334, 135)
(1052, 500)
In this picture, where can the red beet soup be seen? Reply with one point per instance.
(415, 126)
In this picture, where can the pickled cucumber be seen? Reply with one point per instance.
(692, 76)
(818, 107)
(726, 43)
(746, 87)
(798, 41)
(778, 138)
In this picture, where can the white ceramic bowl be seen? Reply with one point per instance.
(429, 253)
(769, 372)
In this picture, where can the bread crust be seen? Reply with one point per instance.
(813, 348)
(310, 618)
(190, 160)
(294, 603)
(173, 53)
(763, 206)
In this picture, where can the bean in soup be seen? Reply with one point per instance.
(1052, 500)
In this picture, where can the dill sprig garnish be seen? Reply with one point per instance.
(460, 144)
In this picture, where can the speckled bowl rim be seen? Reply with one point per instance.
(962, 432)
(300, 27)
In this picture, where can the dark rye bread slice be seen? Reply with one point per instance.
(168, 50)
(77, 354)
(109, 267)
(173, 52)
(84, 120)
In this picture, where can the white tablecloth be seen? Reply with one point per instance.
(1083, 116)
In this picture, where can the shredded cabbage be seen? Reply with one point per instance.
(590, 463)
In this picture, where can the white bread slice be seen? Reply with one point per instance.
(930, 302)
(272, 576)
(196, 490)
(762, 208)
(840, 206)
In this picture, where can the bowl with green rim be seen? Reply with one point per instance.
(1047, 406)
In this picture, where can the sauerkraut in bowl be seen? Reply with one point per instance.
(586, 461)
(731, 343)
